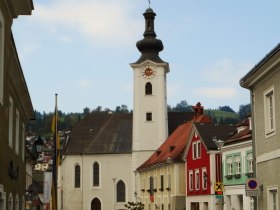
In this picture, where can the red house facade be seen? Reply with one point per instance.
(202, 165)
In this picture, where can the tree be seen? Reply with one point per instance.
(226, 109)
(86, 111)
(244, 110)
(183, 106)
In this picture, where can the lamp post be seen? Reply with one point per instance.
(135, 185)
(114, 180)
(169, 160)
(220, 144)
(39, 144)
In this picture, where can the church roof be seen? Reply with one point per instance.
(105, 133)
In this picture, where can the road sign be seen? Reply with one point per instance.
(219, 187)
(252, 187)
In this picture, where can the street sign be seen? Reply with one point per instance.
(219, 187)
(252, 187)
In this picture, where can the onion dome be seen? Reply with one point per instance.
(149, 46)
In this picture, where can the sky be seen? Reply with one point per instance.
(82, 50)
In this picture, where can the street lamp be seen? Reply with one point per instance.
(220, 144)
(169, 161)
(135, 185)
(39, 144)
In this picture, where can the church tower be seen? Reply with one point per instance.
(150, 123)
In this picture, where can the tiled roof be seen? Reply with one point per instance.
(243, 135)
(103, 133)
(209, 130)
(174, 146)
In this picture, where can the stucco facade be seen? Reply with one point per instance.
(15, 110)
(263, 83)
(112, 169)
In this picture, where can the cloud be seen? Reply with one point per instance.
(225, 71)
(84, 83)
(216, 92)
(109, 22)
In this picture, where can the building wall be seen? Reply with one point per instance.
(111, 166)
(161, 195)
(267, 147)
(12, 163)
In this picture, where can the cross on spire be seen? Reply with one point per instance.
(149, 3)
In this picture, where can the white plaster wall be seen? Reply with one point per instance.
(111, 166)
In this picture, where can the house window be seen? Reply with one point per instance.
(120, 191)
(149, 116)
(272, 198)
(269, 111)
(151, 185)
(2, 26)
(197, 181)
(17, 132)
(250, 162)
(204, 178)
(23, 142)
(162, 182)
(190, 180)
(77, 176)
(229, 166)
(95, 174)
(196, 149)
(11, 113)
(148, 88)
(237, 164)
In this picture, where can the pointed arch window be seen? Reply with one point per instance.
(77, 176)
(120, 191)
(95, 174)
(148, 88)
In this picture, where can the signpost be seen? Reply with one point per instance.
(252, 187)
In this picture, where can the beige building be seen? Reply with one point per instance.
(15, 109)
(263, 81)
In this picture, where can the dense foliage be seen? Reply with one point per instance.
(134, 206)
(222, 115)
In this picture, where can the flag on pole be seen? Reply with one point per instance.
(56, 155)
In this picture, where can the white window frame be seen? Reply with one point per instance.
(272, 198)
(229, 166)
(197, 179)
(194, 150)
(191, 180)
(237, 162)
(269, 112)
(17, 133)
(250, 162)
(2, 43)
(11, 117)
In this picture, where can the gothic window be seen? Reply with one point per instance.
(95, 174)
(77, 176)
(148, 88)
(120, 191)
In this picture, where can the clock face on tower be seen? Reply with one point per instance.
(148, 72)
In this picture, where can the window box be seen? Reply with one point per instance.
(143, 190)
(228, 176)
(250, 174)
(168, 189)
(237, 175)
(161, 189)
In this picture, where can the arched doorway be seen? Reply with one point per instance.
(95, 204)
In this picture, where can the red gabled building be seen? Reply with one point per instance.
(202, 164)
